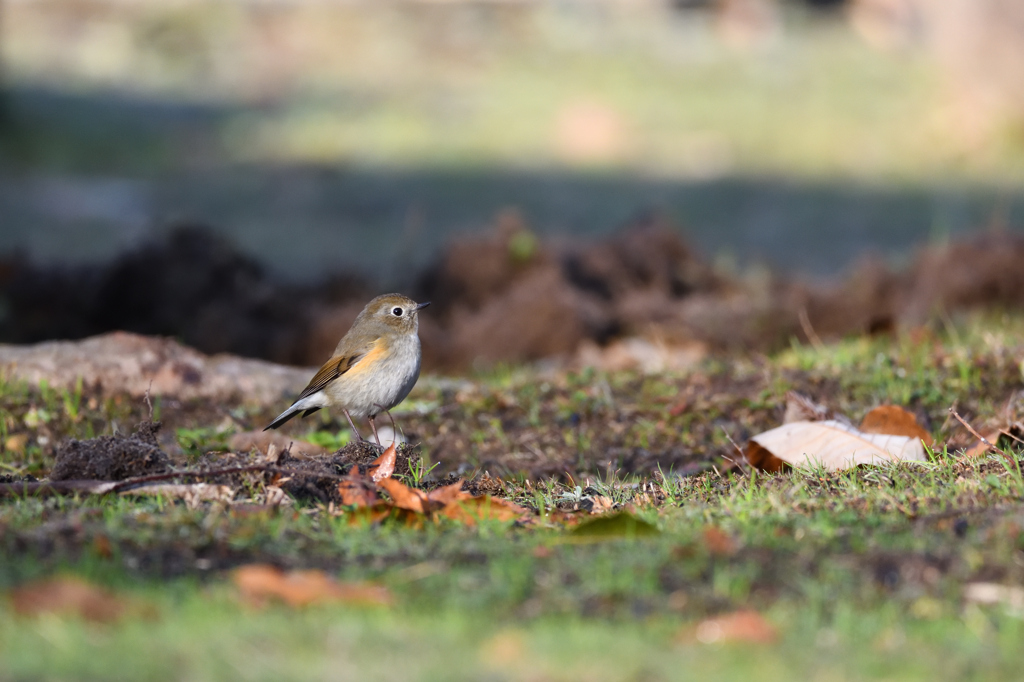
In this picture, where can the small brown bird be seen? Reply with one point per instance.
(373, 368)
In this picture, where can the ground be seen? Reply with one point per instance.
(879, 572)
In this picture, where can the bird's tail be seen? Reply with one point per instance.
(306, 406)
(283, 417)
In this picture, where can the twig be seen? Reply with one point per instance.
(971, 429)
(805, 324)
(1009, 435)
(53, 488)
(136, 482)
(743, 457)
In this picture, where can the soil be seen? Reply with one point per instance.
(111, 458)
(505, 296)
(320, 482)
(315, 477)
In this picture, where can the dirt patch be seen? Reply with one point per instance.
(505, 296)
(111, 458)
(319, 480)
(312, 476)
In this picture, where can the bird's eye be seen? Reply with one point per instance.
(397, 312)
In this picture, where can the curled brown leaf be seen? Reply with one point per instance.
(893, 420)
(259, 582)
(357, 491)
(68, 596)
(404, 497)
(747, 626)
(483, 508)
(384, 466)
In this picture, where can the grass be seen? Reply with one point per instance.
(863, 573)
(212, 639)
(860, 587)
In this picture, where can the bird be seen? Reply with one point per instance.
(373, 368)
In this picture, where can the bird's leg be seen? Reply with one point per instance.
(373, 426)
(394, 429)
(359, 438)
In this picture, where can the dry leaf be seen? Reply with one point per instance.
(357, 491)
(893, 420)
(981, 448)
(994, 593)
(259, 582)
(16, 443)
(445, 495)
(372, 514)
(383, 466)
(102, 546)
(836, 446)
(762, 459)
(1011, 436)
(504, 649)
(192, 493)
(68, 596)
(601, 504)
(276, 496)
(480, 508)
(717, 542)
(739, 626)
(404, 497)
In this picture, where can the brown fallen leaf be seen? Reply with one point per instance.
(717, 542)
(1010, 436)
(679, 408)
(737, 627)
(102, 546)
(404, 497)
(16, 443)
(483, 508)
(447, 494)
(259, 582)
(893, 420)
(503, 649)
(372, 514)
(601, 505)
(981, 447)
(760, 458)
(68, 596)
(357, 490)
(383, 466)
(833, 445)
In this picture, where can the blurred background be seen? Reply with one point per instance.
(155, 154)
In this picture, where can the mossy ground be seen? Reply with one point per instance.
(862, 572)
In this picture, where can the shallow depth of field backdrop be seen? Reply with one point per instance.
(322, 136)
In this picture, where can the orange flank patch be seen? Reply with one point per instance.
(369, 360)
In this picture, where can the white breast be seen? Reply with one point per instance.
(365, 393)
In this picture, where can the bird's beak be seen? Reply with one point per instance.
(421, 306)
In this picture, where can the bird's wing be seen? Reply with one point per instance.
(334, 368)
